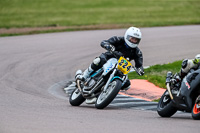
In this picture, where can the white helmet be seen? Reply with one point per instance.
(197, 59)
(132, 37)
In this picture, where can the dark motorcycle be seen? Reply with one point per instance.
(186, 99)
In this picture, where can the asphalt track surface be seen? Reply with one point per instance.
(34, 68)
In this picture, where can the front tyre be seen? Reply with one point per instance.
(76, 98)
(165, 106)
(105, 98)
(196, 109)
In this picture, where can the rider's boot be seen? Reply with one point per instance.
(87, 72)
(94, 66)
(79, 75)
(83, 76)
(91, 100)
(126, 85)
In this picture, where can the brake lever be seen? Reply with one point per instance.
(112, 52)
(136, 70)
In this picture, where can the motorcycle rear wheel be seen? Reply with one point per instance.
(105, 98)
(76, 98)
(165, 106)
(196, 110)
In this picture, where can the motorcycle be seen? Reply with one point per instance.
(186, 99)
(103, 84)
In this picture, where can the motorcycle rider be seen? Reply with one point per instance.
(126, 45)
(186, 66)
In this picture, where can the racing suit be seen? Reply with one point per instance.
(186, 66)
(119, 45)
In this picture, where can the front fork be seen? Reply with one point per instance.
(169, 90)
(110, 79)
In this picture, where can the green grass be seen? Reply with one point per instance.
(140, 13)
(157, 73)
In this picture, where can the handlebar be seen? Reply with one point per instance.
(117, 54)
(136, 70)
(168, 77)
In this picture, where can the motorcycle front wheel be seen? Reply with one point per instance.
(76, 98)
(196, 109)
(105, 98)
(165, 106)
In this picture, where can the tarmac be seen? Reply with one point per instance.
(31, 64)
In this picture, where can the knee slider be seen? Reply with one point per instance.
(96, 61)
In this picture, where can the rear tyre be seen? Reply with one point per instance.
(165, 106)
(76, 98)
(105, 98)
(196, 110)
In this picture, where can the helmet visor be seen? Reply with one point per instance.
(133, 40)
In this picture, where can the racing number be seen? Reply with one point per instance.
(128, 68)
(122, 61)
(125, 65)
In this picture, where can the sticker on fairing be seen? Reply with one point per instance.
(187, 84)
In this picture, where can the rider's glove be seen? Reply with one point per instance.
(176, 79)
(140, 71)
(109, 47)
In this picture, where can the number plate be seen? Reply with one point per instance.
(124, 65)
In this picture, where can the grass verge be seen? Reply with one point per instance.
(157, 74)
(58, 13)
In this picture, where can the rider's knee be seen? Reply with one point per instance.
(96, 61)
(96, 64)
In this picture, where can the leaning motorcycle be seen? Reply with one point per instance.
(187, 98)
(104, 84)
